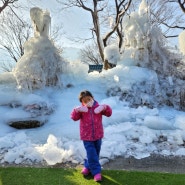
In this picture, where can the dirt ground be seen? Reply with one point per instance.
(154, 163)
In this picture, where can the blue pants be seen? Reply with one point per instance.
(93, 152)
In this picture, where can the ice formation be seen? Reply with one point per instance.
(146, 48)
(136, 27)
(41, 64)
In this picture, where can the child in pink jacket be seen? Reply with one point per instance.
(91, 131)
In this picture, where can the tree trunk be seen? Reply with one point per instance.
(97, 30)
(182, 99)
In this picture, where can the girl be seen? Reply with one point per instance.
(91, 131)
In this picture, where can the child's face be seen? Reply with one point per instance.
(86, 100)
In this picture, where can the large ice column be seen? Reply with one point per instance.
(41, 21)
(41, 64)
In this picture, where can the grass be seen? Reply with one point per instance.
(61, 176)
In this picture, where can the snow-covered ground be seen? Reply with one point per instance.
(129, 131)
(132, 130)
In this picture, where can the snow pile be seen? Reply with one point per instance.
(53, 151)
(136, 132)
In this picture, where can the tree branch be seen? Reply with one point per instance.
(6, 3)
(179, 27)
(182, 5)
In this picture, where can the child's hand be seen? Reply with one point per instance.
(99, 109)
(81, 109)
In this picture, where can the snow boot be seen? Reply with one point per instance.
(85, 171)
(98, 177)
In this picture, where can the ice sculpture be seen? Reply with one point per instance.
(41, 64)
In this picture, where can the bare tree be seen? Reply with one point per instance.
(6, 3)
(182, 5)
(93, 8)
(90, 55)
(14, 33)
(165, 13)
(121, 8)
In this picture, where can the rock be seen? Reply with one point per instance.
(24, 124)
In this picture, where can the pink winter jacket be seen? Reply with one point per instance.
(91, 128)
